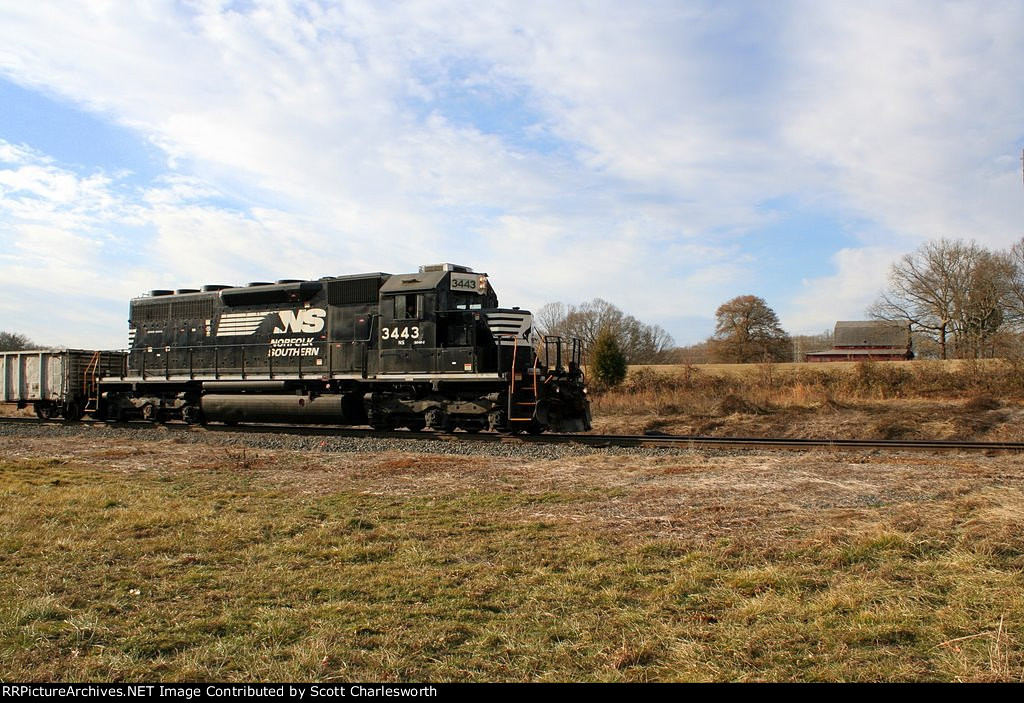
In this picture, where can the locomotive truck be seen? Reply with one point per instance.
(425, 349)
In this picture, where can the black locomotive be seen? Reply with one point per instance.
(426, 349)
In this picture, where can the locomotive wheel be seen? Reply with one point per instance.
(192, 415)
(415, 425)
(381, 421)
(497, 422)
(440, 421)
(472, 426)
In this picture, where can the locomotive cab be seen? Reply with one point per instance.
(465, 361)
(432, 322)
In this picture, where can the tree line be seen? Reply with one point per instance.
(12, 341)
(639, 342)
(960, 299)
(747, 330)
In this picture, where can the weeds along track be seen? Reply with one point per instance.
(591, 440)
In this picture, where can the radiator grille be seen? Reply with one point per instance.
(360, 291)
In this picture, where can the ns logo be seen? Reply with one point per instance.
(308, 320)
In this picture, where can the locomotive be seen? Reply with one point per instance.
(426, 349)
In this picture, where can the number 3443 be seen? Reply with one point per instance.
(400, 333)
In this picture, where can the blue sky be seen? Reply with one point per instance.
(665, 156)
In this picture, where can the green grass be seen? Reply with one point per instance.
(218, 574)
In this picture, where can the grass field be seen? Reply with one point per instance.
(156, 559)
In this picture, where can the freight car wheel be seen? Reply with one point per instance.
(45, 411)
(72, 412)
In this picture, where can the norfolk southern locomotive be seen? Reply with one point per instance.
(426, 349)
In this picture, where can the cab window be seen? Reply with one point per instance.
(408, 306)
(468, 302)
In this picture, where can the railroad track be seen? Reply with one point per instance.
(595, 440)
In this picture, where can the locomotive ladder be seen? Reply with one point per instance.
(90, 383)
(528, 398)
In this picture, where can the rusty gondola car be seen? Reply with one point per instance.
(57, 382)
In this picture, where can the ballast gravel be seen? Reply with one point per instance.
(293, 439)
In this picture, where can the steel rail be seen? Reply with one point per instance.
(594, 440)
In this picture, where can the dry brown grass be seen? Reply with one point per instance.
(942, 400)
(142, 559)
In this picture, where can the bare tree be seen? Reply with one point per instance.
(697, 353)
(640, 342)
(926, 287)
(12, 341)
(549, 317)
(981, 309)
(1015, 287)
(747, 331)
(804, 344)
(954, 292)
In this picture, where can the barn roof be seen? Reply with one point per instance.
(872, 333)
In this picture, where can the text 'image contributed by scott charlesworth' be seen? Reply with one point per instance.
(188, 692)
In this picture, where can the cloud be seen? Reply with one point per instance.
(857, 282)
(914, 112)
(79, 245)
(575, 150)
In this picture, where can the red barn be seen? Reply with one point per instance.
(867, 341)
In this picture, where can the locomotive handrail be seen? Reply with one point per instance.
(512, 372)
(556, 341)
